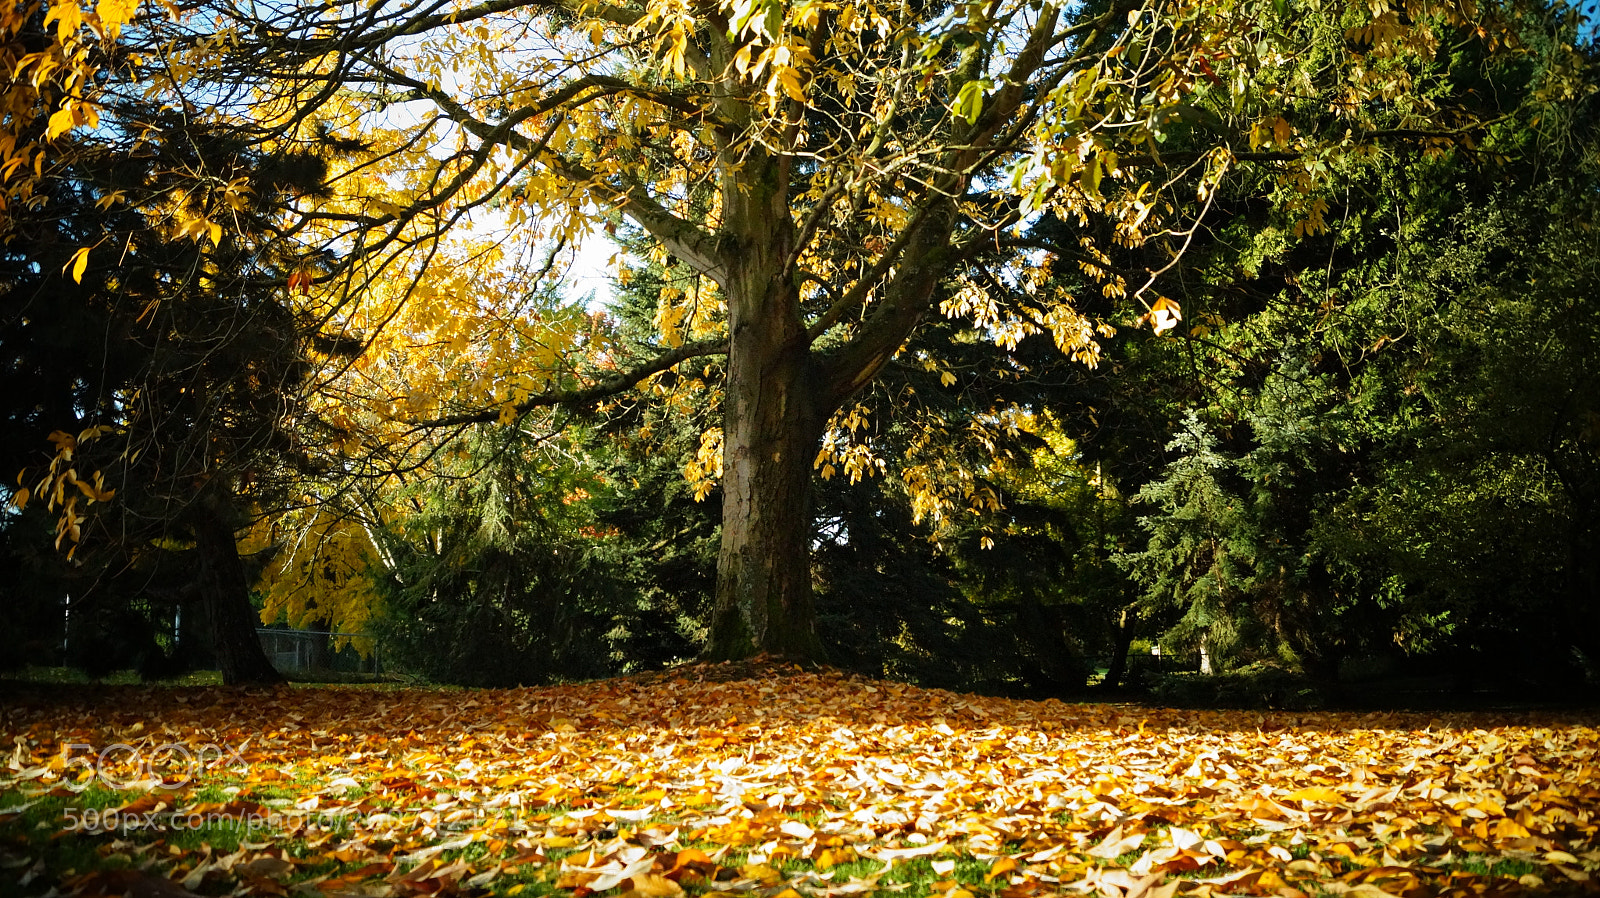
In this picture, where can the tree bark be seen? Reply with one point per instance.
(773, 416)
(225, 598)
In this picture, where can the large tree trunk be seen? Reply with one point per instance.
(225, 597)
(774, 413)
(779, 397)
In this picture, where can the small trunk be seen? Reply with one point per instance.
(225, 597)
(1119, 656)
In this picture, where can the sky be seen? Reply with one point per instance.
(590, 271)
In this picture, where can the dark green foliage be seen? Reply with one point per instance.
(1197, 568)
(1384, 423)
(888, 602)
(1483, 506)
(184, 349)
(659, 544)
(1261, 684)
(494, 582)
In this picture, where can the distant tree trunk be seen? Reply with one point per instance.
(225, 597)
(1126, 623)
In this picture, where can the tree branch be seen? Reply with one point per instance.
(610, 386)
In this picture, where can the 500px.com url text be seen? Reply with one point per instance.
(125, 820)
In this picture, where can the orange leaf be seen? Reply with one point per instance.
(1001, 867)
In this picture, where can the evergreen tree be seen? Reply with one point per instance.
(162, 350)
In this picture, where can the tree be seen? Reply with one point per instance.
(823, 168)
(171, 374)
(1377, 416)
(1479, 505)
(494, 580)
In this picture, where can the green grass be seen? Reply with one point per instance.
(74, 677)
(1493, 865)
(52, 829)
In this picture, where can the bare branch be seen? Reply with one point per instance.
(581, 396)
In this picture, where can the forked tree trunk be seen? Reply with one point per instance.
(780, 393)
(225, 597)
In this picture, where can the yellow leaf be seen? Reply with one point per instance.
(1116, 844)
(652, 885)
(1001, 867)
(68, 16)
(789, 80)
(1316, 793)
(1163, 316)
(114, 14)
(1506, 828)
(20, 500)
(79, 263)
(763, 873)
(60, 123)
(675, 58)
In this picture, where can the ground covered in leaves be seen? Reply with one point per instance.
(782, 784)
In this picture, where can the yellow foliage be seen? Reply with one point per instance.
(320, 572)
(705, 469)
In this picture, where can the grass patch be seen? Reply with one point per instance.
(72, 676)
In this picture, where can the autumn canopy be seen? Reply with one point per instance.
(825, 178)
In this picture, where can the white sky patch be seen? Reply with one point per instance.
(589, 276)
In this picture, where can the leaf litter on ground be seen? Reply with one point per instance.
(775, 782)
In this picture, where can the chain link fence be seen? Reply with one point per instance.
(318, 651)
